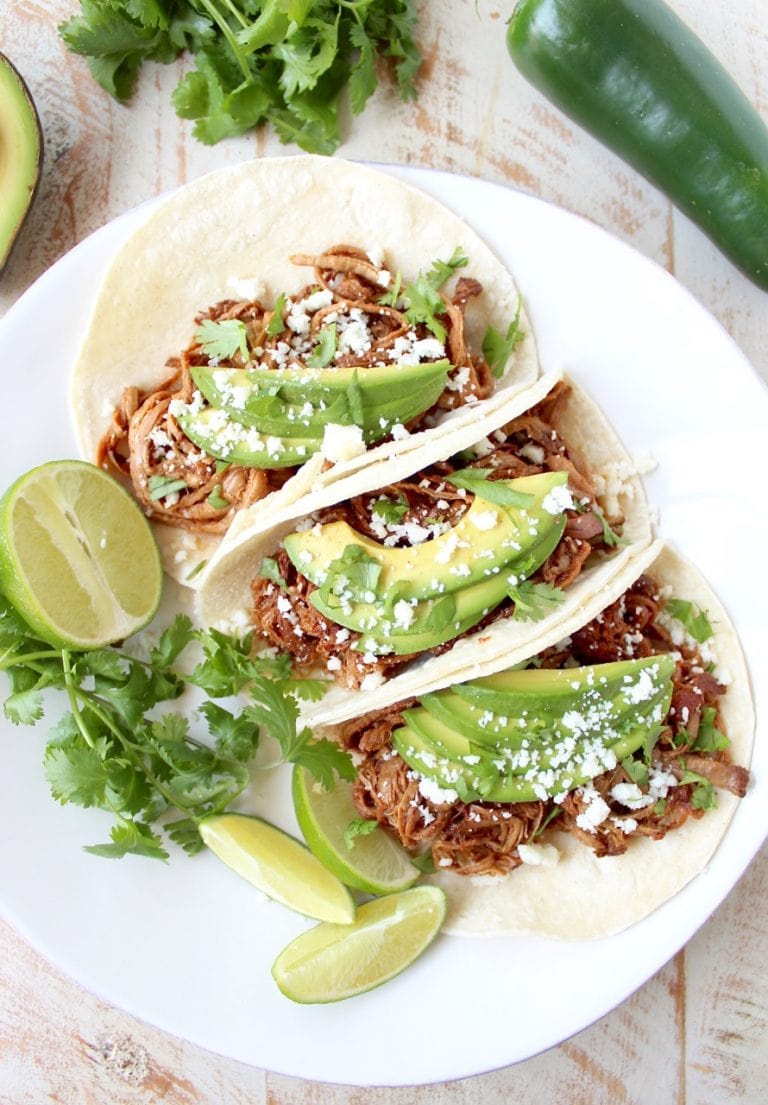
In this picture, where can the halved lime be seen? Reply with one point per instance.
(278, 865)
(376, 863)
(77, 556)
(332, 962)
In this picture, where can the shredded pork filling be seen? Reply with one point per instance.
(483, 838)
(145, 443)
(284, 616)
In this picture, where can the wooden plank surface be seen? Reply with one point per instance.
(698, 1031)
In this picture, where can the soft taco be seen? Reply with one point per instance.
(458, 550)
(574, 795)
(282, 310)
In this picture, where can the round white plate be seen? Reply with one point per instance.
(188, 946)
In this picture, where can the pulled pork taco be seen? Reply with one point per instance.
(574, 794)
(283, 310)
(457, 551)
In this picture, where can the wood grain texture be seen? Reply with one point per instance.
(695, 1034)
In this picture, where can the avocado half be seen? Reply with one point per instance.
(21, 155)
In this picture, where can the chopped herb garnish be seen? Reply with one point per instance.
(276, 325)
(216, 500)
(534, 601)
(160, 486)
(424, 305)
(442, 271)
(391, 298)
(197, 569)
(709, 738)
(222, 340)
(354, 396)
(660, 806)
(637, 770)
(441, 614)
(354, 574)
(498, 348)
(424, 862)
(703, 795)
(325, 348)
(361, 826)
(389, 511)
(694, 621)
(269, 570)
(550, 817)
(610, 537)
(478, 481)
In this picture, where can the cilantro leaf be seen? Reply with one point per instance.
(360, 826)
(693, 620)
(479, 482)
(354, 397)
(173, 640)
(497, 348)
(442, 271)
(223, 339)
(324, 759)
(389, 511)
(610, 537)
(703, 795)
(276, 324)
(24, 707)
(216, 500)
(236, 735)
(160, 486)
(709, 738)
(391, 298)
(130, 838)
(325, 348)
(76, 773)
(270, 570)
(424, 305)
(534, 601)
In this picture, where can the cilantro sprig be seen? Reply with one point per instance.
(479, 482)
(497, 348)
(284, 62)
(534, 601)
(693, 620)
(223, 339)
(120, 745)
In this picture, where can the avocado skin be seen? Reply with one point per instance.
(21, 132)
(441, 733)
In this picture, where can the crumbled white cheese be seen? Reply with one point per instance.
(342, 442)
(538, 855)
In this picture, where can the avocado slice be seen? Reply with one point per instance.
(510, 763)
(297, 385)
(541, 691)
(212, 431)
(228, 390)
(21, 155)
(430, 626)
(487, 539)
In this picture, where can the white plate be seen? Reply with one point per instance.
(188, 946)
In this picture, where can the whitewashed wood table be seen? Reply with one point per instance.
(697, 1031)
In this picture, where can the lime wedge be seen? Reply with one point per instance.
(278, 865)
(332, 962)
(376, 863)
(77, 556)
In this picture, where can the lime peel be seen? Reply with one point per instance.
(333, 962)
(278, 865)
(376, 864)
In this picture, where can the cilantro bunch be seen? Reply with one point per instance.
(285, 62)
(113, 749)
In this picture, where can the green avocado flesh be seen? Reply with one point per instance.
(559, 729)
(21, 151)
(409, 600)
(296, 405)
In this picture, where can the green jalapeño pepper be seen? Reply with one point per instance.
(633, 75)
